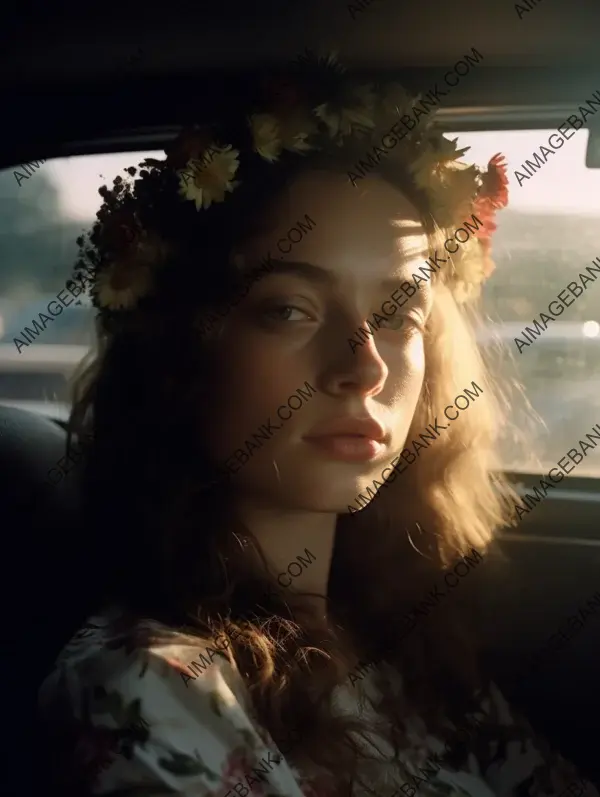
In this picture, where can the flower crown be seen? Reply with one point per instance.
(314, 106)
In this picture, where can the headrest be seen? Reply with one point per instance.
(32, 450)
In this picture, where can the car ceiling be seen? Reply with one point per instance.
(65, 72)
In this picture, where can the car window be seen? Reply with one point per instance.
(72, 325)
(28, 386)
(45, 329)
(545, 239)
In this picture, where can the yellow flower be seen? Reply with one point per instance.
(472, 267)
(266, 136)
(398, 101)
(429, 164)
(367, 98)
(207, 181)
(122, 284)
(271, 134)
(342, 121)
(452, 196)
(448, 151)
(424, 167)
(295, 128)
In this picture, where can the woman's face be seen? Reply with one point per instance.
(292, 389)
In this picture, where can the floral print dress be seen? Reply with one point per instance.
(177, 719)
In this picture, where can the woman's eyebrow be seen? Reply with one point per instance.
(324, 276)
(308, 271)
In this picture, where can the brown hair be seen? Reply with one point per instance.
(179, 555)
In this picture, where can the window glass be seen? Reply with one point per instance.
(44, 329)
(546, 238)
(28, 386)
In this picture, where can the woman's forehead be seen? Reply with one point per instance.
(375, 221)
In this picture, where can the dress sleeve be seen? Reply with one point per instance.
(515, 762)
(172, 720)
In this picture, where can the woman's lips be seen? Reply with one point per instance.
(349, 448)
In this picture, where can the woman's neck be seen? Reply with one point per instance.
(298, 549)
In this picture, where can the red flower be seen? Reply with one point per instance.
(495, 182)
(178, 665)
(488, 264)
(237, 769)
(492, 196)
(94, 751)
(120, 230)
(486, 213)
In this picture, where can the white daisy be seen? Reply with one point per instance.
(295, 129)
(122, 284)
(212, 180)
(453, 193)
(448, 151)
(425, 168)
(398, 101)
(342, 121)
(266, 135)
(429, 164)
(367, 98)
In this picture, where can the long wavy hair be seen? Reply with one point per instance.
(171, 549)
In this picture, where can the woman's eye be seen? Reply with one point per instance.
(395, 322)
(286, 312)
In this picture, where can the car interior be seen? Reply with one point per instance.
(98, 81)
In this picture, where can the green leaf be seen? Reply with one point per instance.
(180, 764)
(216, 702)
(248, 737)
(143, 791)
(132, 711)
(145, 665)
(109, 702)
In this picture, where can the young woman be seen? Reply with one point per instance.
(291, 454)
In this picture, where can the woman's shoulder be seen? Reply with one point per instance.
(136, 703)
(113, 647)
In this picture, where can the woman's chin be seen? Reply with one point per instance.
(344, 500)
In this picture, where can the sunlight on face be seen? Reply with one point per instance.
(291, 386)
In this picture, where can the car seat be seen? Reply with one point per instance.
(48, 582)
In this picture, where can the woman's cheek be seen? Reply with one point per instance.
(416, 354)
(406, 362)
